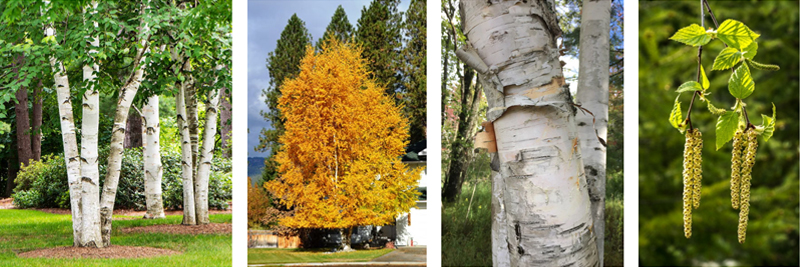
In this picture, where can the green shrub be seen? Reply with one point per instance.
(43, 184)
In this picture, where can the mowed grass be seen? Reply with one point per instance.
(284, 255)
(26, 230)
(466, 241)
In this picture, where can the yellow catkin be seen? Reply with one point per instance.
(688, 162)
(747, 168)
(736, 166)
(697, 162)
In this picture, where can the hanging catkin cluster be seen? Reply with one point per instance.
(692, 176)
(736, 167)
(746, 175)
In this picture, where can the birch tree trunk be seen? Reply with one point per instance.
(186, 159)
(126, 95)
(90, 173)
(542, 191)
(593, 96)
(153, 169)
(190, 96)
(69, 139)
(225, 113)
(206, 155)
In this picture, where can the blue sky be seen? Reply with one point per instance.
(266, 20)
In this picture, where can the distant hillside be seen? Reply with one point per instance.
(254, 166)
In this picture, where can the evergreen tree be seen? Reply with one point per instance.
(282, 63)
(379, 35)
(414, 71)
(339, 28)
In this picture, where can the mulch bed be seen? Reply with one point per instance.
(6, 203)
(112, 252)
(212, 228)
(123, 212)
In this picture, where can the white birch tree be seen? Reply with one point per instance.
(206, 155)
(592, 95)
(90, 173)
(92, 219)
(151, 149)
(542, 194)
(187, 168)
(69, 137)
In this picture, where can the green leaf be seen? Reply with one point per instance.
(689, 87)
(762, 66)
(675, 117)
(741, 84)
(693, 35)
(726, 127)
(736, 34)
(751, 50)
(726, 59)
(768, 124)
(706, 84)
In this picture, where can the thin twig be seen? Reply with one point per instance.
(713, 18)
(699, 64)
(602, 142)
(746, 118)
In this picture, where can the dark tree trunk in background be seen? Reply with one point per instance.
(225, 113)
(24, 153)
(133, 132)
(23, 126)
(13, 168)
(36, 122)
(459, 151)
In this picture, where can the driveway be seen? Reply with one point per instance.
(405, 254)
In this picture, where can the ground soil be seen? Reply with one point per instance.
(212, 228)
(112, 252)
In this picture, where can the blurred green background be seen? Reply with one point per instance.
(772, 235)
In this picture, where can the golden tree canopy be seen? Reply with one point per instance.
(340, 160)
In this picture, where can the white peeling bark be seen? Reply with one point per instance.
(206, 155)
(186, 159)
(153, 169)
(501, 256)
(542, 188)
(69, 138)
(90, 174)
(593, 95)
(126, 95)
(70, 141)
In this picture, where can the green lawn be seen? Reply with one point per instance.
(25, 230)
(281, 255)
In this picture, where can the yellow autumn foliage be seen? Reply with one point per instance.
(340, 159)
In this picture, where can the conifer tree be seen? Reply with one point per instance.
(414, 77)
(282, 63)
(379, 35)
(339, 28)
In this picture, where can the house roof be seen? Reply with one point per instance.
(417, 151)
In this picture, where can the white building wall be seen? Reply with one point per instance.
(420, 218)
